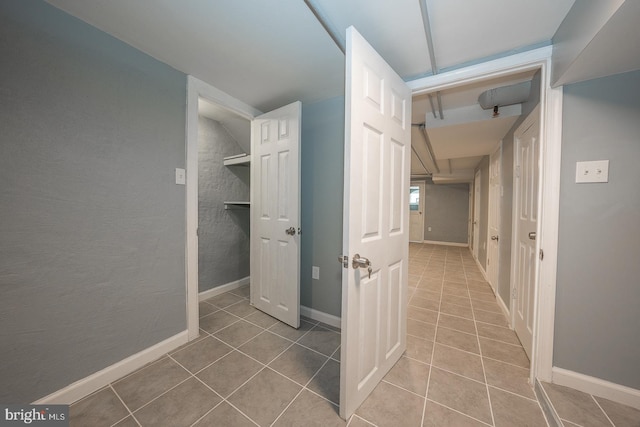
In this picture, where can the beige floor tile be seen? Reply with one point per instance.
(508, 377)
(181, 406)
(321, 340)
(243, 291)
(311, 410)
(421, 329)
(228, 373)
(422, 314)
(503, 352)
(410, 375)
(224, 300)
(265, 347)
(201, 354)
(127, 422)
(290, 333)
(621, 415)
(497, 333)
(575, 406)
(459, 340)
(511, 410)
(391, 406)
(205, 308)
(261, 319)
(356, 421)
(424, 303)
(459, 362)
(456, 310)
(487, 306)
(216, 321)
(241, 309)
(426, 294)
(298, 363)
(419, 349)
(149, 382)
(238, 333)
(436, 415)
(458, 323)
(265, 396)
(327, 382)
(489, 317)
(100, 408)
(457, 300)
(459, 393)
(224, 415)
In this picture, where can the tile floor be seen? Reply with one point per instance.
(462, 367)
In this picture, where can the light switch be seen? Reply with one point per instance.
(180, 176)
(315, 272)
(593, 171)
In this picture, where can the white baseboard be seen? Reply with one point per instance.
(435, 242)
(96, 381)
(321, 316)
(484, 273)
(223, 288)
(597, 387)
(504, 308)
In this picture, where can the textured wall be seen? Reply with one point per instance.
(322, 172)
(91, 220)
(598, 285)
(446, 209)
(223, 235)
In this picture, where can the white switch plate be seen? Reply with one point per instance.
(181, 176)
(593, 171)
(315, 272)
(428, 228)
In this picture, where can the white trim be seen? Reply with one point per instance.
(553, 419)
(196, 89)
(96, 381)
(321, 316)
(504, 308)
(494, 286)
(597, 387)
(484, 273)
(209, 293)
(436, 242)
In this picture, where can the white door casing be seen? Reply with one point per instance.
(416, 217)
(493, 228)
(477, 182)
(275, 213)
(376, 221)
(525, 221)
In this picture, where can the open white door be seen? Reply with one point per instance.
(525, 222)
(376, 221)
(476, 213)
(493, 229)
(275, 213)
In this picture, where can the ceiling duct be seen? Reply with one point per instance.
(505, 95)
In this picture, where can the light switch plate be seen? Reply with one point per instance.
(181, 176)
(593, 171)
(315, 272)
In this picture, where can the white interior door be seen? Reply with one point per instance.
(275, 213)
(525, 200)
(493, 237)
(476, 213)
(416, 209)
(376, 221)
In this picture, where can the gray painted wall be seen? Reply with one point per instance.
(504, 275)
(598, 291)
(446, 212)
(92, 222)
(223, 235)
(322, 171)
(484, 211)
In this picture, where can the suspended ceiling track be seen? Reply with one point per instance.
(427, 142)
(326, 24)
(432, 56)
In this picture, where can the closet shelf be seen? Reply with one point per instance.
(236, 205)
(237, 160)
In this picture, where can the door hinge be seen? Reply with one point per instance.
(541, 254)
(299, 231)
(344, 260)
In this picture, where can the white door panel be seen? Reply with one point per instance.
(376, 221)
(476, 213)
(526, 146)
(493, 236)
(275, 213)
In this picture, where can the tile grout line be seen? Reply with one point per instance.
(458, 411)
(125, 405)
(603, 411)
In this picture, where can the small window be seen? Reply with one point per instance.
(414, 198)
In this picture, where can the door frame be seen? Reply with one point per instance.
(423, 189)
(490, 195)
(477, 183)
(549, 181)
(196, 89)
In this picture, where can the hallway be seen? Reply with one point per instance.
(462, 367)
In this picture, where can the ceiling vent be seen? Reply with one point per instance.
(505, 95)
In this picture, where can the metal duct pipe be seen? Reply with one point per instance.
(425, 136)
(505, 95)
(426, 22)
(420, 160)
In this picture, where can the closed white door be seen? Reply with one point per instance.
(525, 201)
(275, 213)
(376, 221)
(416, 209)
(476, 213)
(493, 237)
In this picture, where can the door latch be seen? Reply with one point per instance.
(362, 262)
(344, 260)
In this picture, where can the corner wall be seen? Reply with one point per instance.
(446, 211)
(598, 291)
(92, 222)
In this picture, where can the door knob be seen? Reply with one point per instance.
(532, 235)
(496, 238)
(291, 231)
(361, 262)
